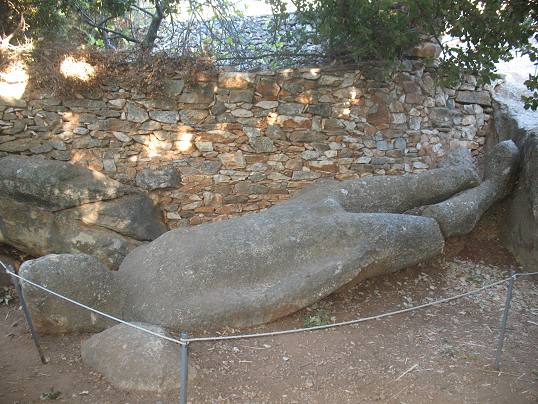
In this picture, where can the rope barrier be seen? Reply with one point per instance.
(350, 322)
(184, 341)
(156, 334)
(526, 274)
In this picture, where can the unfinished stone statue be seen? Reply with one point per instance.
(259, 267)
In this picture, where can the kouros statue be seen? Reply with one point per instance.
(257, 268)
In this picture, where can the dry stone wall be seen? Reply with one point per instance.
(234, 142)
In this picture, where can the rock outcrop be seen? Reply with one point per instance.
(521, 226)
(54, 207)
(133, 360)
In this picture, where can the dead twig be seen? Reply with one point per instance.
(407, 371)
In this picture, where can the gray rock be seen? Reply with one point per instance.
(323, 110)
(286, 261)
(109, 166)
(85, 104)
(39, 232)
(54, 185)
(310, 155)
(61, 155)
(19, 145)
(193, 117)
(173, 87)
(86, 142)
(118, 214)
(200, 94)
(457, 156)
(58, 144)
(43, 148)
(396, 194)
(81, 131)
(305, 175)
(441, 117)
(520, 228)
(241, 96)
(474, 97)
(52, 207)
(267, 104)
(400, 144)
(131, 359)
(262, 144)
(307, 136)
(158, 179)
(164, 116)
(135, 113)
(242, 113)
(290, 109)
(383, 145)
(458, 215)
(65, 274)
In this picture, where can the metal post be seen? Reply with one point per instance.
(183, 369)
(504, 320)
(35, 338)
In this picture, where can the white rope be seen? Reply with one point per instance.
(359, 320)
(184, 341)
(156, 334)
(526, 274)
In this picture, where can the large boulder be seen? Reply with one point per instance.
(55, 207)
(131, 359)
(77, 276)
(520, 230)
(55, 185)
(459, 215)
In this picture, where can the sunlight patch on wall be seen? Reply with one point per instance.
(77, 69)
(13, 81)
(185, 142)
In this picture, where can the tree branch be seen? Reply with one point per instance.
(272, 55)
(88, 20)
(142, 9)
(5, 42)
(153, 29)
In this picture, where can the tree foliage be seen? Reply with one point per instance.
(480, 33)
(103, 22)
(42, 17)
(474, 34)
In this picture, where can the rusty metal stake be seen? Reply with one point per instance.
(25, 310)
(504, 320)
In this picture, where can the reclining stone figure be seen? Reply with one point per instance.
(257, 268)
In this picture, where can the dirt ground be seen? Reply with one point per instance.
(443, 354)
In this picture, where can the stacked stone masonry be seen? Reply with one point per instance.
(234, 143)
